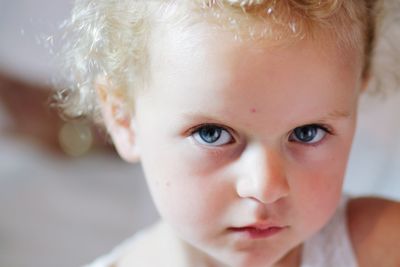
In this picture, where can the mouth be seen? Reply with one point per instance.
(258, 231)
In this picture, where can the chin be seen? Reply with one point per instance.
(254, 259)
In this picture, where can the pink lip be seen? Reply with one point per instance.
(257, 231)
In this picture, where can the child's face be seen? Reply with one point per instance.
(217, 140)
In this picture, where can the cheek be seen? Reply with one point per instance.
(316, 185)
(186, 195)
(320, 170)
(314, 201)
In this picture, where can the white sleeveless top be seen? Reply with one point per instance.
(330, 247)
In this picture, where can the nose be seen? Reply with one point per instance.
(262, 174)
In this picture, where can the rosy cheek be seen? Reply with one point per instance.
(183, 195)
(315, 200)
(316, 177)
(307, 154)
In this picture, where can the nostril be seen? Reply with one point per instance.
(267, 190)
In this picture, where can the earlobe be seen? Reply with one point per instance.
(119, 121)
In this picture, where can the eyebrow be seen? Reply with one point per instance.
(201, 116)
(336, 114)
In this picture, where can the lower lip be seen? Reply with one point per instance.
(257, 233)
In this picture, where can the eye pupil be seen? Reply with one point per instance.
(210, 134)
(306, 133)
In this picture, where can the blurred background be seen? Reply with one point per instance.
(65, 196)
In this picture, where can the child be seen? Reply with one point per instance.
(242, 113)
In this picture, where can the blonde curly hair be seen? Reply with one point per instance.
(109, 38)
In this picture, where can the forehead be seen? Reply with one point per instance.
(200, 71)
(215, 56)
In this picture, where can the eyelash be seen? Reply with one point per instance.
(323, 127)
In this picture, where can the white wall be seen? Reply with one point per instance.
(374, 166)
(24, 27)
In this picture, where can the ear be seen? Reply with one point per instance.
(119, 121)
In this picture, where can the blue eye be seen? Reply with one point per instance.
(212, 135)
(308, 134)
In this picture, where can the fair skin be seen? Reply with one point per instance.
(219, 135)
